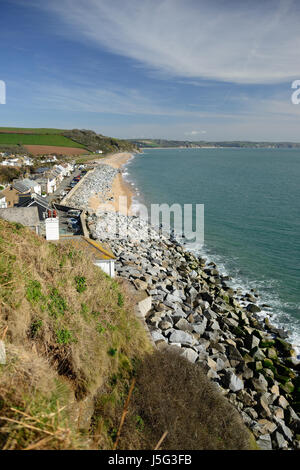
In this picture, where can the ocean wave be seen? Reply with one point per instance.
(266, 289)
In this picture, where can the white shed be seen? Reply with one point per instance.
(102, 256)
(52, 228)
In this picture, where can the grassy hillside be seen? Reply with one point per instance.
(93, 141)
(38, 139)
(77, 138)
(73, 347)
(30, 130)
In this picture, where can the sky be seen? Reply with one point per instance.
(171, 69)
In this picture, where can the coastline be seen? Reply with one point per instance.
(119, 188)
(195, 312)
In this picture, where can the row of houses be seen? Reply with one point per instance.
(17, 161)
(45, 181)
(9, 197)
(22, 202)
(23, 160)
(50, 178)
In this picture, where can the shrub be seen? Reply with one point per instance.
(174, 395)
(57, 305)
(112, 352)
(100, 328)
(120, 300)
(34, 291)
(64, 336)
(80, 283)
(35, 327)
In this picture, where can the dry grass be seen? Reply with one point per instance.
(175, 401)
(34, 405)
(74, 347)
(66, 315)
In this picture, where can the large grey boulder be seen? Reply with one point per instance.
(267, 427)
(184, 325)
(251, 341)
(253, 308)
(264, 442)
(182, 337)
(281, 442)
(263, 406)
(260, 384)
(232, 381)
(220, 364)
(293, 419)
(284, 429)
(165, 325)
(171, 298)
(190, 354)
(144, 306)
(192, 294)
(200, 326)
(157, 336)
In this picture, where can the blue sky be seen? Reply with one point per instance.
(177, 69)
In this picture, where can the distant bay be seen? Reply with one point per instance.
(252, 205)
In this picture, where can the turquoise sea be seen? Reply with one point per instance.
(251, 203)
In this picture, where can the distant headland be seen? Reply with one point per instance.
(162, 143)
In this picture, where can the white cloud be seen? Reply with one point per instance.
(110, 100)
(240, 42)
(194, 133)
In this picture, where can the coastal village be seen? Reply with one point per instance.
(37, 202)
(183, 301)
(149, 230)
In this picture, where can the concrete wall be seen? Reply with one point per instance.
(73, 190)
(108, 266)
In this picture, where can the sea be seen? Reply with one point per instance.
(251, 201)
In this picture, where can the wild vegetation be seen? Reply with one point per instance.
(73, 347)
(56, 140)
(17, 138)
(8, 174)
(30, 130)
(13, 149)
(93, 141)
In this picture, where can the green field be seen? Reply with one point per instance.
(54, 140)
(26, 130)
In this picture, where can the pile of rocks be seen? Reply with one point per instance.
(195, 312)
(99, 181)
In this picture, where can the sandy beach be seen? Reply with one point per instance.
(119, 187)
(117, 160)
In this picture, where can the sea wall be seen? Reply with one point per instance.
(196, 312)
(98, 181)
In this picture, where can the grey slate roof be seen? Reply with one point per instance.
(30, 183)
(27, 216)
(42, 170)
(20, 186)
(24, 185)
(34, 200)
